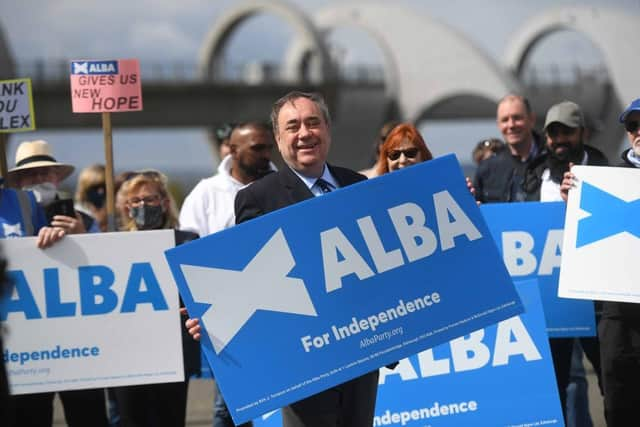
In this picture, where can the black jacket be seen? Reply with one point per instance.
(357, 398)
(533, 173)
(500, 178)
(280, 189)
(190, 347)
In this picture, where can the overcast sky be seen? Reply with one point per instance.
(169, 31)
(175, 30)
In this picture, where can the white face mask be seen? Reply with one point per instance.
(45, 193)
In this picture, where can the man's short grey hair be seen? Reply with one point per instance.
(291, 97)
(516, 97)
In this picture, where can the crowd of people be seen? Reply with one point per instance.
(524, 165)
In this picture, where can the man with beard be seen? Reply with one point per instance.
(564, 130)
(209, 207)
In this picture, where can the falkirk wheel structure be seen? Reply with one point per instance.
(432, 71)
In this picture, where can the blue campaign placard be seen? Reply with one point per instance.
(501, 375)
(498, 376)
(323, 291)
(529, 236)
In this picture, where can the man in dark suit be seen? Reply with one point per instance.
(301, 128)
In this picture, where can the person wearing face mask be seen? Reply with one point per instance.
(150, 206)
(91, 194)
(36, 170)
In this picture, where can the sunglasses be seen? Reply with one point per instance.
(151, 174)
(631, 126)
(409, 153)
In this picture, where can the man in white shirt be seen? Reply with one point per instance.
(209, 207)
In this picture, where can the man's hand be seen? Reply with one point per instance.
(472, 189)
(47, 236)
(568, 182)
(71, 225)
(192, 325)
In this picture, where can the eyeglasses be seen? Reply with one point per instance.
(148, 200)
(409, 153)
(632, 126)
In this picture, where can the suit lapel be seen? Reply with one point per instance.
(342, 179)
(297, 189)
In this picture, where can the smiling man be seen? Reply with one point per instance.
(564, 130)
(500, 178)
(301, 126)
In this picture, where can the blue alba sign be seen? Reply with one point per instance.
(529, 236)
(321, 292)
(501, 375)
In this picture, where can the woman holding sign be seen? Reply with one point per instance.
(150, 206)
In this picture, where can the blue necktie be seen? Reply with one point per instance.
(324, 185)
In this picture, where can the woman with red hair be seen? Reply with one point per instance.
(403, 147)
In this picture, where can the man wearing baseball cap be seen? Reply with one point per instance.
(564, 131)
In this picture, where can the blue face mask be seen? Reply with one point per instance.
(147, 217)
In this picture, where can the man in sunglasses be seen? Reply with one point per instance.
(619, 327)
(209, 207)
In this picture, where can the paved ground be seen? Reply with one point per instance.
(199, 406)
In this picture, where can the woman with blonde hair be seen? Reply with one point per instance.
(150, 206)
(148, 202)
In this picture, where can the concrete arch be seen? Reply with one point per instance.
(614, 32)
(417, 73)
(210, 57)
